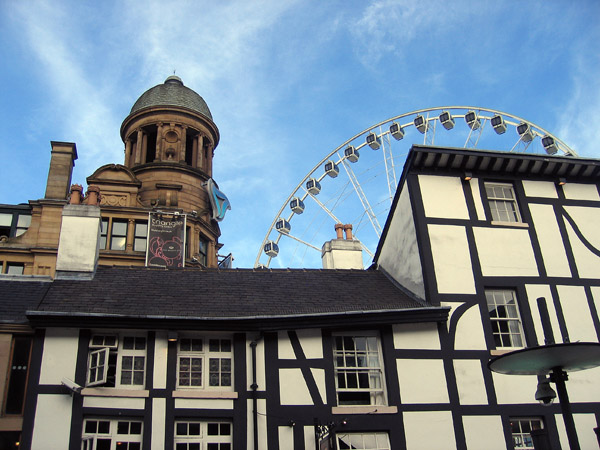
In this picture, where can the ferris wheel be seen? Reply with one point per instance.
(355, 183)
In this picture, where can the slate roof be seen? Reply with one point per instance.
(172, 93)
(18, 296)
(250, 295)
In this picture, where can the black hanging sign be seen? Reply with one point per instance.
(166, 240)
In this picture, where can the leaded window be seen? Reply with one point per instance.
(358, 370)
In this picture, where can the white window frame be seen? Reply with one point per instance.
(103, 347)
(223, 440)
(207, 357)
(363, 441)
(494, 201)
(375, 372)
(522, 439)
(512, 320)
(89, 439)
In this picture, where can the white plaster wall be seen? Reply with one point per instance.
(484, 432)
(577, 314)
(505, 252)
(534, 291)
(114, 402)
(416, 336)
(319, 377)
(286, 438)
(309, 437)
(413, 374)
(261, 408)
(469, 329)
(588, 264)
(311, 342)
(470, 382)
(451, 259)
(284, 346)
(474, 184)
(429, 430)
(596, 297)
(515, 388)
(160, 360)
(584, 424)
(260, 365)
(60, 354)
(584, 386)
(159, 409)
(203, 403)
(549, 238)
(443, 197)
(292, 388)
(52, 427)
(575, 191)
(400, 256)
(587, 220)
(545, 189)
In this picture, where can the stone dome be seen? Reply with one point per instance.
(172, 93)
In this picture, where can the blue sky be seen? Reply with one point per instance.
(286, 81)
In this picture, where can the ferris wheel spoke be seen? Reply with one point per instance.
(308, 244)
(363, 198)
(475, 132)
(324, 208)
(390, 168)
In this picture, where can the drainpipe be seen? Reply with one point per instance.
(254, 387)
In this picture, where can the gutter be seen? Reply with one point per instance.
(246, 323)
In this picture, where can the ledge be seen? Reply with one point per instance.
(371, 409)
(510, 224)
(503, 352)
(205, 394)
(111, 392)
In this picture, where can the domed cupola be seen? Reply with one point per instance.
(170, 138)
(172, 93)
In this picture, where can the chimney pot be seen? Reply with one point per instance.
(339, 230)
(93, 196)
(348, 230)
(75, 198)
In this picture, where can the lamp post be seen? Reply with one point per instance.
(555, 360)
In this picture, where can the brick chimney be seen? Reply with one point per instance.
(62, 162)
(342, 253)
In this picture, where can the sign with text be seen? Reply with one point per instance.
(166, 240)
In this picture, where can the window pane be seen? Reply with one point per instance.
(119, 228)
(6, 220)
(24, 221)
(15, 268)
(117, 243)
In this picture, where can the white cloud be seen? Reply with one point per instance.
(576, 121)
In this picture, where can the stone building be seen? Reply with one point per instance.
(169, 139)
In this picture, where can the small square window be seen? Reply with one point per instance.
(201, 367)
(521, 431)
(358, 370)
(502, 202)
(112, 434)
(503, 310)
(194, 435)
(113, 361)
(364, 441)
(141, 236)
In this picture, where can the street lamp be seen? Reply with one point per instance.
(554, 360)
